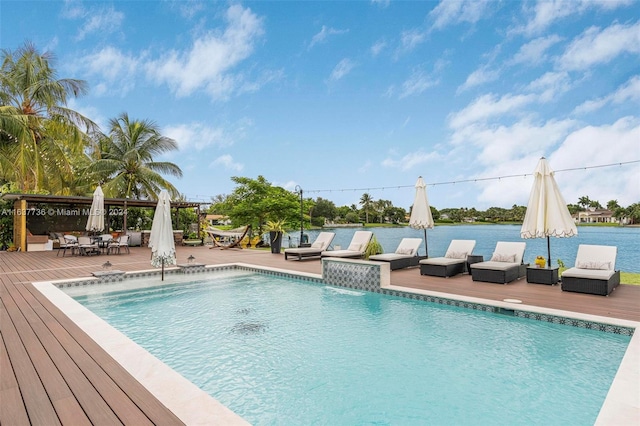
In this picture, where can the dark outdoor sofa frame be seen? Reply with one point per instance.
(590, 285)
(405, 262)
(499, 276)
(445, 271)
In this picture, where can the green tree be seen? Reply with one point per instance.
(40, 137)
(125, 160)
(366, 201)
(584, 202)
(325, 208)
(255, 201)
(613, 205)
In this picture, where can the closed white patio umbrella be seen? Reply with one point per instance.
(95, 223)
(421, 217)
(547, 213)
(163, 249)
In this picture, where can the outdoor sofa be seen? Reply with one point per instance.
(452, 263)
(594, 271)
(504, 266)
(405, 255)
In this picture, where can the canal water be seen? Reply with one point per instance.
(626, 239)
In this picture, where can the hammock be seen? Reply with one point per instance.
(227, 239)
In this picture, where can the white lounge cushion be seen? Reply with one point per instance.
(409, 246)
(442, 261)
(507, 249)
(456, 254)
(497, 257)
(494, 266)
(596, 255)
(341, 253)
(387, 257)
(594, 274)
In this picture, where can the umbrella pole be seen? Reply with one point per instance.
(548, 253)
(426, 249)
(162, 269)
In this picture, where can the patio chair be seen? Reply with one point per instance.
(87, 246)
(356, 249)
(67, 242)
(321, 243)
(594, 271)
(504, 266)
(453, 261)
(405, 255)
(116, 245)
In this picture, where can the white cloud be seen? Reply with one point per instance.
(410, 161)
(550, 85)
(325, 32)
(479, 77)
(546, 12)
(105, 21)
(489, 106)
(378, 47)
(456, 11)
(417, 83)
(343, 68)
(381, 3)
(196, 135)
(112, 66)
(535, 51)
(227, 162)
(207, 66)
(628, 92)
(595, 46)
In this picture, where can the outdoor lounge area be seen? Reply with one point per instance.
(20, 299)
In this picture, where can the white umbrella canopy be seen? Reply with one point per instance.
(421, 217)
(95, 223)
(547, 213)
(163, 249)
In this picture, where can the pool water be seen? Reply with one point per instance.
(288, 352)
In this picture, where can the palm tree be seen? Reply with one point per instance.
(40, 138)
(124, 160)
(366, 202)
(584, 202)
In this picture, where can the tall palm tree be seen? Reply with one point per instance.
(366, 202)
(125, 160)
(40, 138)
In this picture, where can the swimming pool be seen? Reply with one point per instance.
(277, 350)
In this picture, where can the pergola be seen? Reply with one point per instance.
(25, 207)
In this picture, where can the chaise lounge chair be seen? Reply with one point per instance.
(594, 271)
(321, 243)
(453, 261)
(405, 255)
(356, 248)
(505, 264)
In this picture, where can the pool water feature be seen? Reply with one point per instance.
(278, 350)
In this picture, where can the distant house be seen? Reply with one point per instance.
(217, 219)
(592, 215)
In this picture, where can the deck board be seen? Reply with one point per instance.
(54, 373)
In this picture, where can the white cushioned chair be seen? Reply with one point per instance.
(452, 263)
(356, 249)
(405, 255)
(320, 244)
(504, 266)
(594, 271)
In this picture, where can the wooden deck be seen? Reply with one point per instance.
(52, 373)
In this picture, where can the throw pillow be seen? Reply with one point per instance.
(407, 251)
(456, 255)
(509, 258)
(594, 265)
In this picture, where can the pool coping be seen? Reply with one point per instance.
(194, 406)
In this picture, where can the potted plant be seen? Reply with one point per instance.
(275, 228)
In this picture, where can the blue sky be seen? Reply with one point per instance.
(348, 97)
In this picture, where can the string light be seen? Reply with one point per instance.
(452, 182)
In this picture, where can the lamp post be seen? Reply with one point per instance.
(124, 217)
(298, 189)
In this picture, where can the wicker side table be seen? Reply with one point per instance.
(547, 276)
(472, 258)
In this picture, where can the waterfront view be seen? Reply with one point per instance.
(626, 239)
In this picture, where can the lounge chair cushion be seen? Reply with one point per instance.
(355, 247)
(592, 274)
(404, 251)
(317, 245)
(596, 255)
(593, 265)
(387, 257)
(443, 261)
(495, 266)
